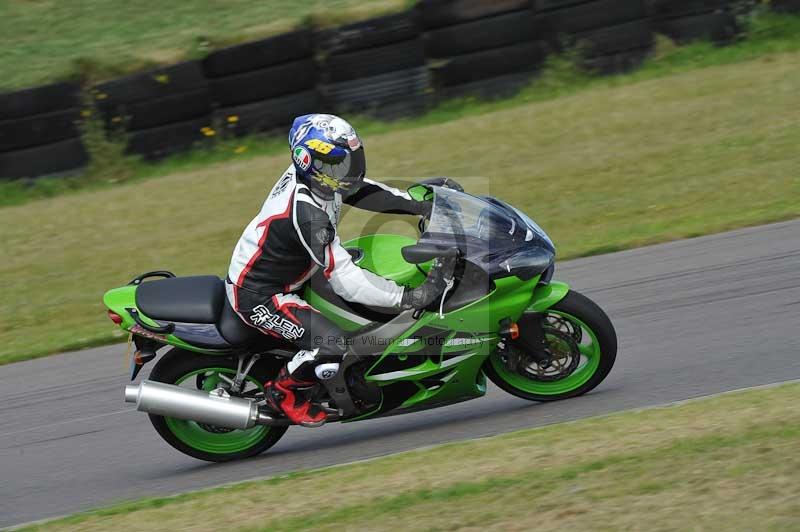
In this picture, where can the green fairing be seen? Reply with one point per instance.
(381, 256)
(476, 325)
(332, 312)
(474, 331)
(124, 297)
(420, 192)
(548, 295)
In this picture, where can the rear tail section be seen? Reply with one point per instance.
(123, 310)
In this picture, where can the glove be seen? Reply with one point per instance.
(422, 208)
(433, 287)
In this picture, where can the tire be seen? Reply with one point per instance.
(381, 88)
(439, 13)
(614, 39)
(366, 63)
(264, 84)
(720, 28)
(402, 107)
(390, 96)
(39, 100)
(39, 130)
(488, 89)
(378, 31)
(680, 8)
(467, 68)
(270, 115)
(56, 158)
(158, 83)
(786, 6)
(163, 141)
(594, 15)
(153, 113)
(616, 63)
(484, 34)
(603, 341)
(191, 439)
(259, 54)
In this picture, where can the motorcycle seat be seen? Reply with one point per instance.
(198, 299)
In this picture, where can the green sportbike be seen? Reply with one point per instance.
(502, 317)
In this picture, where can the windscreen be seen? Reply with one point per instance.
(459, 214)
(493, 234)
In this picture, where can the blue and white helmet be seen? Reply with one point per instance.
(327, 154)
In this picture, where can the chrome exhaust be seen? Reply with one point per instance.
(216, 407)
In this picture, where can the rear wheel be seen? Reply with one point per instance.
(583, 345)
(208, 442)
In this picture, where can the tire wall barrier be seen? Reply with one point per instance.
(390, 66)
(40, 131)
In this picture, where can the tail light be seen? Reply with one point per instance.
(116, 318)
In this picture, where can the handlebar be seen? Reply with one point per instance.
(425, 251)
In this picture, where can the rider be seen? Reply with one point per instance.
(294, 236)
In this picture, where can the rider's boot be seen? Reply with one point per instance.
(285, 394)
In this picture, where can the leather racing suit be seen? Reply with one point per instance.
(290, 240)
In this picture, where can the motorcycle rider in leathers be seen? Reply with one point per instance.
(294, 237)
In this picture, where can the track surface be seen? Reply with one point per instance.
(694, 317)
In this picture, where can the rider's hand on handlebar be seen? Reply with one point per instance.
(423, 208)
(436, 282)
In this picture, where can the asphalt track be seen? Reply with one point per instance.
(694, 317)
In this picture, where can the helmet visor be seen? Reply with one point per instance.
(341, 173)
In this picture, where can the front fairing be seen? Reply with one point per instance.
(492, 235)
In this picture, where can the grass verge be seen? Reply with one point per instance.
(609, 167)
(99, 39)
(729, 462)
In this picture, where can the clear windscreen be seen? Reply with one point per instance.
(493, 233)
(459, 214)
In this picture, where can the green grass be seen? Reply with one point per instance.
(729, 462)
(766, 34)
(612, 166)
(45, 40)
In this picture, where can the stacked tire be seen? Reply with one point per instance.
(261, 86)
(375, 67)
(161, 112)
(786, 6)
(685, 21)
(40, 131)
(610, 35)
(484, 48)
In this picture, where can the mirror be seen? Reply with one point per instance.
(420, 192)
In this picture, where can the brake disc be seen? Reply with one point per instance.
(564, 354)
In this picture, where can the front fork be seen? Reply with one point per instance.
(526, 338)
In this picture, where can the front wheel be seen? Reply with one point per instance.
(583, 345)
(208, 442)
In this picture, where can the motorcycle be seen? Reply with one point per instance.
(503, 317)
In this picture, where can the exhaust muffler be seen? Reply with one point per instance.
(216, 407)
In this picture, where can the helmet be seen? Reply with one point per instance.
(327, 154)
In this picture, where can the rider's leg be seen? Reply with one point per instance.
(320, 340)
